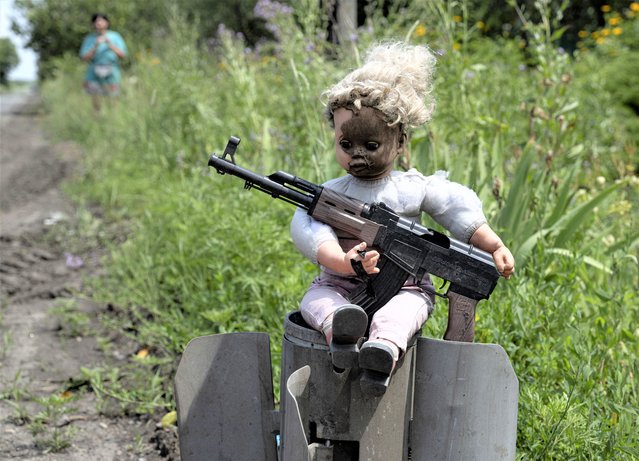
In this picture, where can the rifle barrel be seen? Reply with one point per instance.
(302, 199)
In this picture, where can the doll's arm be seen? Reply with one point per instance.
(454, 206)
(318, 242)
(309, 234)
(331, 256)
(486, 239)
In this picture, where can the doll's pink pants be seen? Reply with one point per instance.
(398, 321)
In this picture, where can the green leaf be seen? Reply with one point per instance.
(565, 228)
(517, 201)
(568, 107)
(563, 198)
(586, 259)
(523, 252)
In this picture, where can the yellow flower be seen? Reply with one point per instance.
(457, 18)
(596, 35)
(142, 353)
(614, 21)
(617, 31)
(606, 8)
(605, 32)
(634, 6)
(600, 41)
(480, 25)
(420, 31)
(622, 207)
(583, 33)
(456, 46)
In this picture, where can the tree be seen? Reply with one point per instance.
(8, 59)
(57, 27)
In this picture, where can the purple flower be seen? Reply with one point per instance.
(73, 262)
(274, 29)
(268, 9)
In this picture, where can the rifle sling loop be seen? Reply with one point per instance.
(358, 267)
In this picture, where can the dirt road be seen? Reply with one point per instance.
(47, 412)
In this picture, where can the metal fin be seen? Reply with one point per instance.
(224, 395)
(465, 402)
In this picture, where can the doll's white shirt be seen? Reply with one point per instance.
(455, 207)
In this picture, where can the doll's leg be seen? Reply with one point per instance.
(342, 323)
(402, 317)
(391, 328)
(318, 305)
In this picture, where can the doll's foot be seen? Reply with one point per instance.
(377, 361)
(349, 325)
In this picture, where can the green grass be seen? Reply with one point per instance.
(550, 149)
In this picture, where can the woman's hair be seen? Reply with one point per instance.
(396, 79)
(95, 16)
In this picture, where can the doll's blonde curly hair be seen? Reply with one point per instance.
(396, 79)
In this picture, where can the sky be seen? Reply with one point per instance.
(28, 67)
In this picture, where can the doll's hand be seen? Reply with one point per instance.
(368, 259)
(504, 261)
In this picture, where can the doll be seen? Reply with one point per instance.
(371, 111)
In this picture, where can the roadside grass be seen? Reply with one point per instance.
(48, 426)
(43, 415)
(551, 152)
(16, 86)
(15, 394)
(73, 322)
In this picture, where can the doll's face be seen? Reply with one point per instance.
(365, 145)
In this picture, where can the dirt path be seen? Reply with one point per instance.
(44, 404)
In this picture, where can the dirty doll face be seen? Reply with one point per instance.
(365, 145)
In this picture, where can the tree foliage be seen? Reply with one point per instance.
(8, 59)
(57, 27)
